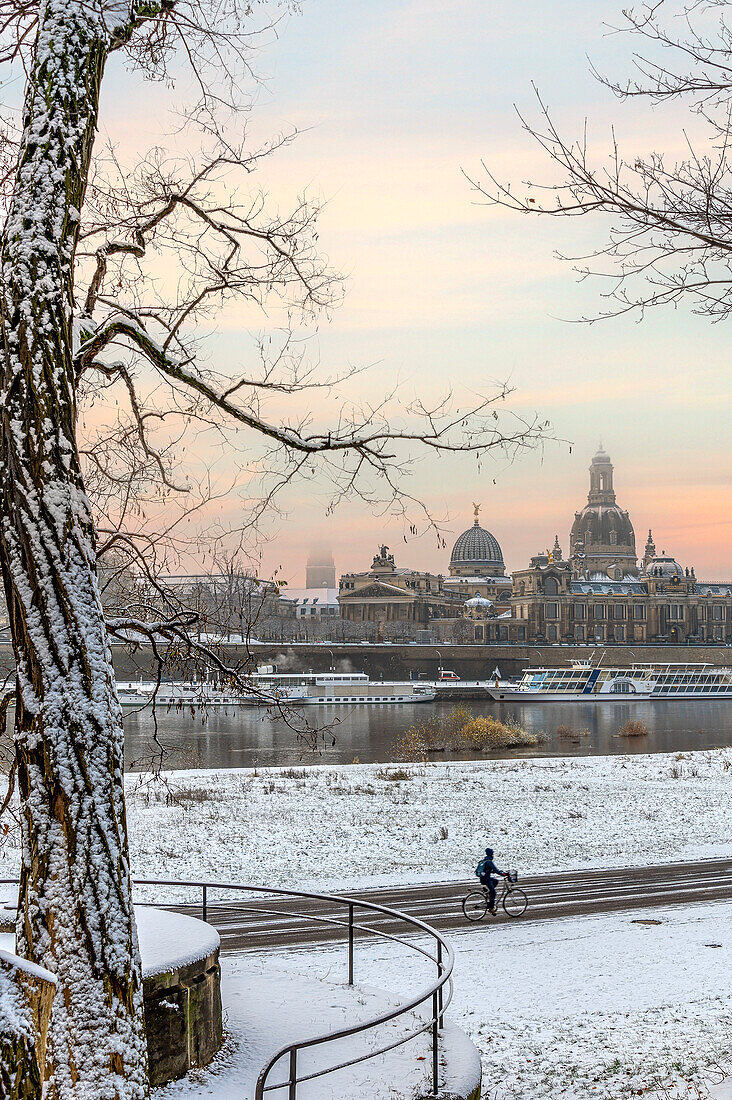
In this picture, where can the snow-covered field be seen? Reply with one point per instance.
(600, 1006)
(348, 826)
(355, 825)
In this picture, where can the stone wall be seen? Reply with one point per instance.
(403, 662)
(183, 1018)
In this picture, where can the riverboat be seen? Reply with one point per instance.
(582, 682)
(271, 689)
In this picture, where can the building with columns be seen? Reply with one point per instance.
(388, 593)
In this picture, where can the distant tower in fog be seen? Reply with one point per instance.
(320, 570)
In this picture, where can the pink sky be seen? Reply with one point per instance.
(396, 98)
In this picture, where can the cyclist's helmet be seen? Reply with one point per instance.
(489, 853)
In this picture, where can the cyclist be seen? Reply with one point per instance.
(488, 869)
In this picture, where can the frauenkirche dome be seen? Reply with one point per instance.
(602, 534)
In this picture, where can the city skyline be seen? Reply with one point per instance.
(437, 559)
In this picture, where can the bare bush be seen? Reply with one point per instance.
(633, 728)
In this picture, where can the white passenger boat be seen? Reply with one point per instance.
(330, 688)
(581, 682)
(293, 689)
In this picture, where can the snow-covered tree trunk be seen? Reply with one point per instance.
(75, 915)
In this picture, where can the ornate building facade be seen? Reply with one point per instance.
(387, 594)
(600, 595)
(476, 589)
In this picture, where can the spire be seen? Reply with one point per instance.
(650, 550)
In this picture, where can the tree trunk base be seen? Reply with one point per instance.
(26, 999)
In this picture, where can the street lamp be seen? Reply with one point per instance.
(439, 666)
(332, 661)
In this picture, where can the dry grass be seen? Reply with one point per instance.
(633, 728)
(394, 775)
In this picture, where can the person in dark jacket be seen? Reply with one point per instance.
(489, 870)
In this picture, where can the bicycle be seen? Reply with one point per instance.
(477, 902)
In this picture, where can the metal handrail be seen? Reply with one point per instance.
(443, 958)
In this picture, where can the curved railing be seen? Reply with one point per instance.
(437, 994)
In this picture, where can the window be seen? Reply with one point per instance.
(599, 610)
(619, 633)
(551, 611)
(580, 611)
(619, 611)
(522, 633)
(702, 612)
(551, 587)
(579, 633)
(551, 633)
(675, 612)
(718, 612)
(639, 611)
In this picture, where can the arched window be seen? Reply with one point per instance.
(551, 588)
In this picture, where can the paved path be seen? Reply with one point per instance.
(571, 893)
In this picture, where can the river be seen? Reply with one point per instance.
(245, 737)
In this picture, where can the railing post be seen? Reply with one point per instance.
(204, 902)
(292, 1091)
(350, 944)
(439, 978)
(435, 1047)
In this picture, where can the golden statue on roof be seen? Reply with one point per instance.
(476, 509)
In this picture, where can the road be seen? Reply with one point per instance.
(567, 894)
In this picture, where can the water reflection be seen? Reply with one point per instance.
(246, 737)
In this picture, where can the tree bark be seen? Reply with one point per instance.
(75, 912)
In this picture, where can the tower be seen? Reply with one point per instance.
(320, 570)
(602, 534)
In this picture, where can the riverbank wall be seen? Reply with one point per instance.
(408, 662)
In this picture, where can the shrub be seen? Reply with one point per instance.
(463, 731)
(411, 745)
(633, 728)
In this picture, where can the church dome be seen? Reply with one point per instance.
(664, 567)
(478, 549)
(478, 601)
(602, 533)
(603, 526)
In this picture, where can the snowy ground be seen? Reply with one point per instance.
(340, 827)
(600, 1006)
(270, 1002)
(355, 825)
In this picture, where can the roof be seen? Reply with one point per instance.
(483, 578)
(477, 545)
(627, 587)
(322, 596)
(714, 588)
